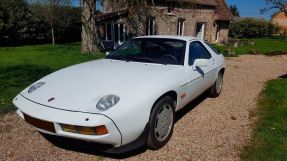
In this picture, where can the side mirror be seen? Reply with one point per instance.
(200, 63)
(107, 53)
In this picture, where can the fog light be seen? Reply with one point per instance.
(70, 128)
(98, 130)
(87, 130)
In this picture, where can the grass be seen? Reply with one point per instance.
(263, 46)
(269, 142)
(21, 66)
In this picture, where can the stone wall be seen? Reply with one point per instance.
(281, 19)
(166, 23)
(107, 6)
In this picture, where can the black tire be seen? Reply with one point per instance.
(152, 141)
(214, 92)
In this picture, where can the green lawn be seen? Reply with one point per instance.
(21, 66)
(264, 46)
(269, 141)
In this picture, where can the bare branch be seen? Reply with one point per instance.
(275, 4)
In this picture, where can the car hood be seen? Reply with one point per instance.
(79, 87)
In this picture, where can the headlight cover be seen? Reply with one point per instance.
(107, 102)
(35, 86)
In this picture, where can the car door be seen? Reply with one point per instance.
(201, 78)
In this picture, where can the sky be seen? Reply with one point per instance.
(77, 3)
(251, 8)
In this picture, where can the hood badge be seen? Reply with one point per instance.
(51, 99)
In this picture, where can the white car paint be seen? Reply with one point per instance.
(78, 88)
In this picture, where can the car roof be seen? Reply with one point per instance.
(185, 38)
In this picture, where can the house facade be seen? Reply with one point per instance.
(280, 18)
(204, 19)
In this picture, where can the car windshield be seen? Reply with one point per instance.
(151, 50)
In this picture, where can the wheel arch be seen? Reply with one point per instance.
(222, 70)
(171, 94)
(152, 141)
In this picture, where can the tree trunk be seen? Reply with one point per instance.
(89, 31)
(53, 37)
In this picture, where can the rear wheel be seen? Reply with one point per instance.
(217, 87)
(161, 123)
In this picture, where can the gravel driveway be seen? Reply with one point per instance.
(208, 129)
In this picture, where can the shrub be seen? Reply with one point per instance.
(251, 28)
(19, 25)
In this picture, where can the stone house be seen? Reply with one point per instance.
(280, 18)
(205, 19)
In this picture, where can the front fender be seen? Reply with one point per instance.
(132, 113)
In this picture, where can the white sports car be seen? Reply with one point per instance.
(127, 99)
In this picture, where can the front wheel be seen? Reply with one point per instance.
(217, 87)
(161, 123)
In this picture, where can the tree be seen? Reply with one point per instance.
(52, 11)
(90, 34)
(275, 4)
(234, 10)
(21, 23)
(137, 12)
(90, 38)
(70, 27)
(252, 28)
(16, 21)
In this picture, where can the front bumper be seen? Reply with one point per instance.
(58, 117)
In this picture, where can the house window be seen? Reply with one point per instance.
(116, 32)
(217, 33)
(180, 26)
(122, 32)
(108, 31)
(119, 33)
(200, 30)
(150, 26)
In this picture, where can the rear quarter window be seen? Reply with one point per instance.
(213, 49)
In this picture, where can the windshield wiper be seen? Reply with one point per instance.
(148, 60)
(118, 57)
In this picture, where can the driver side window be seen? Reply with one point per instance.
(197, 51)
